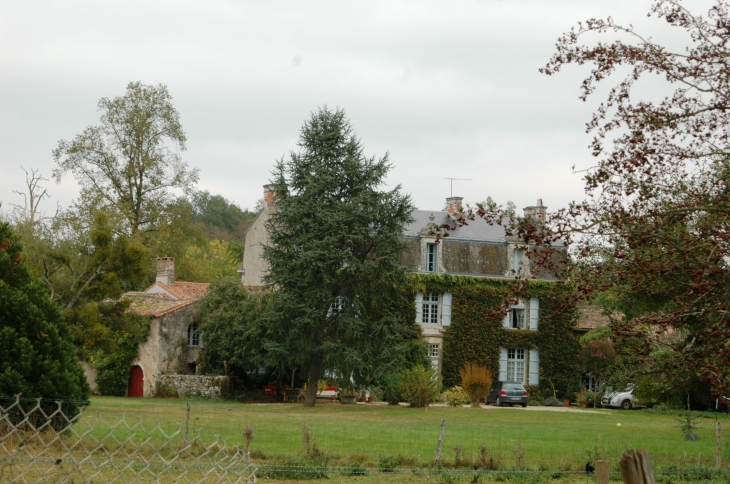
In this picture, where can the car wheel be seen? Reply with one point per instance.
(626, 404)
(524, 405)
(498, 402)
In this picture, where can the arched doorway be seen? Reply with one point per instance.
(136, 382)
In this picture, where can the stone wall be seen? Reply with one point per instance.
(195, 385)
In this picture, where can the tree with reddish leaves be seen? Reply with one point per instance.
(654, 228)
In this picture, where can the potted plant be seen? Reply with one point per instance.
(348, 396)
(582, 398)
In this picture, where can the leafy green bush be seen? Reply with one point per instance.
(419, 386)
(456, 397)
(552, 402)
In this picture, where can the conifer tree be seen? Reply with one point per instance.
(334, 254)
(37, 356)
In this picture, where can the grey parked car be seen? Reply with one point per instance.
(507, 393)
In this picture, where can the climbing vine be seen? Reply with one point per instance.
(476, 332)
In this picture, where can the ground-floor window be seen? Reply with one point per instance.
(433, 354)
(516, 365)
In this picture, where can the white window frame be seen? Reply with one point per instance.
(434, 352)
(430, 308)
(517, 317)
(432, 257)
(517, 365)
(337, 306)
(195, 336)
(518, 257)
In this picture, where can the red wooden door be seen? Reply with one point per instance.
(136, 382)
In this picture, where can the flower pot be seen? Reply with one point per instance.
(566, 403)
(583, 404)
(371, 399)
(348, 399)
(363, 399)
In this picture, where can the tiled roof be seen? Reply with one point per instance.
(592, 317)
(155, 305)
(184, 290)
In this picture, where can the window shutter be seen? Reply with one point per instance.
(419, 307)
(534, 313)
(446, 309)
(503, 364)
(534, 367)
(505, 320)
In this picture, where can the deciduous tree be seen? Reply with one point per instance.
(127, 165)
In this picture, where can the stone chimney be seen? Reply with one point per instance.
(537, 211)
(453, 204)
(166, 270)
(268, 195)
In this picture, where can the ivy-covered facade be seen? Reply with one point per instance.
(470, 306)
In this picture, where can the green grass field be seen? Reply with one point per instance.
(405, 438)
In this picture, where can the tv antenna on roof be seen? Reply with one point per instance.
(452, 183)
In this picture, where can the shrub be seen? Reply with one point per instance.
(456, 397)
(419, 386)
(476, 380)
(552, 402)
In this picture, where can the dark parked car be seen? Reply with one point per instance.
(507, 392)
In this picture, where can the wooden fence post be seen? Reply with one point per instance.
(437, 458)
(636, 467)
(718, 445)
(602, 472)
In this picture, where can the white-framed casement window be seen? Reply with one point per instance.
(433, 350)
(195, 339)
(430, 308)
(514, 365)
(517, 318)
(517, 262)
(433, 308)
(523, 316)
(337, 306)
(432, 257)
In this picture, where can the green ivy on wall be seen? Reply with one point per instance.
(476, 332)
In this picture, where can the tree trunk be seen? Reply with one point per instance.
(315, 370)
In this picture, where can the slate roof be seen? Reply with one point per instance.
(475, 230)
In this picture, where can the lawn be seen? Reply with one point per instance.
(368, 436)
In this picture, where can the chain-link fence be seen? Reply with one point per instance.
(49, 441)
(289, 439)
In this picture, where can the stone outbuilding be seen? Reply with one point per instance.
(175, 341)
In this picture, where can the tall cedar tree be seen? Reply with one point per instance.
(654, 227)
(334, 254)
(37, 356)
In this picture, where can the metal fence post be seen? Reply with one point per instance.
(187, 422)
(718, 445)
(437, 458)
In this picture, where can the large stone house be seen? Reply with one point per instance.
(477, 252)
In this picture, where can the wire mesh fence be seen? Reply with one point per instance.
(46, 441)
(357, 439)
(290, 441)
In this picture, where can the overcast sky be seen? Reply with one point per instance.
(449, 88)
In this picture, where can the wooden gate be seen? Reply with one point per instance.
(136, 382)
